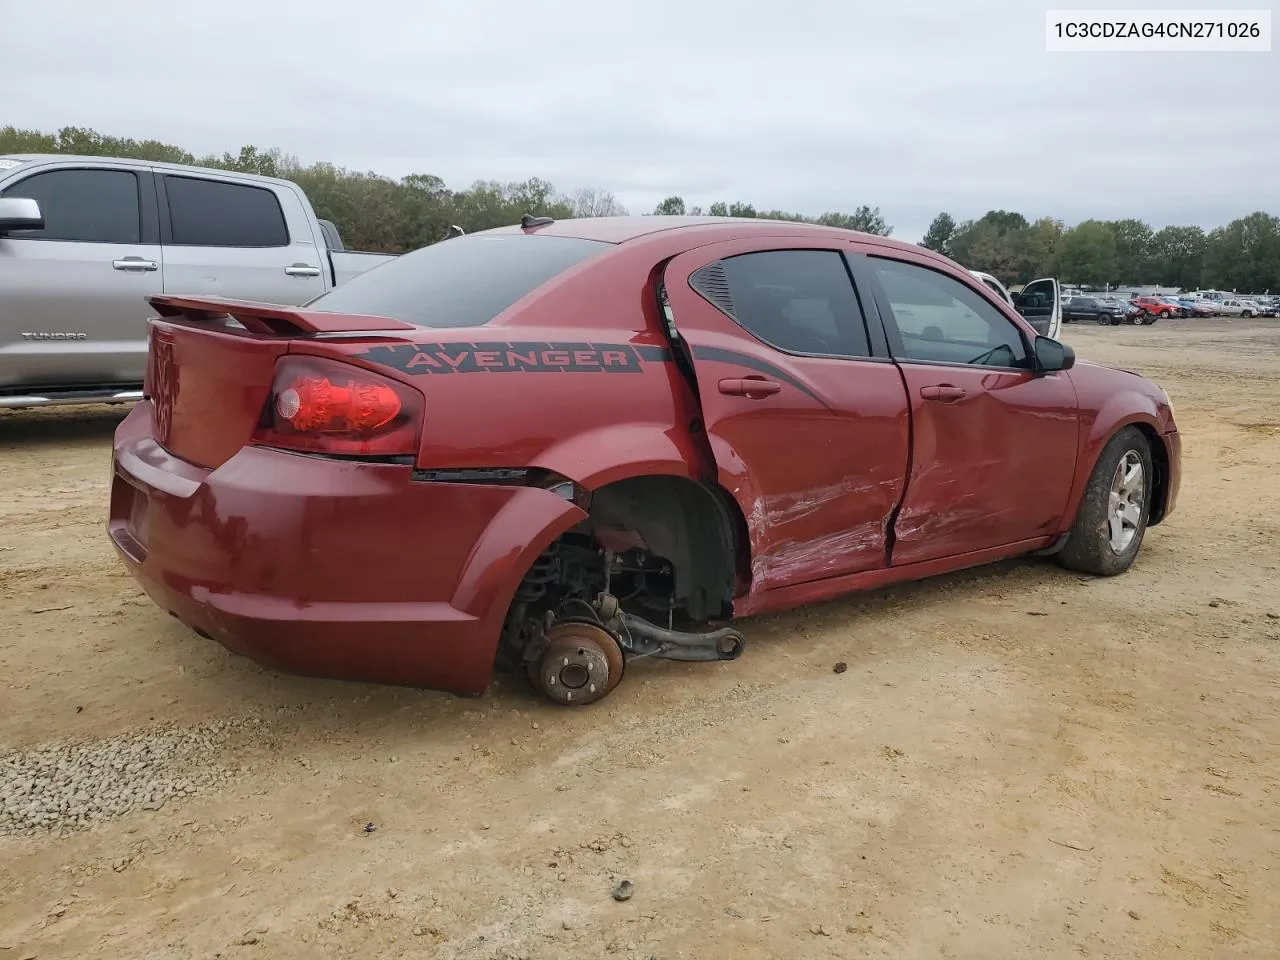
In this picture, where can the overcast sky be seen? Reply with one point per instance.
(805, 105)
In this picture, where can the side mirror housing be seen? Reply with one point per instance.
(1053, 355)
(20, 213)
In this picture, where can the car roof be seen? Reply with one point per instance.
(40, 159)
(623, 229)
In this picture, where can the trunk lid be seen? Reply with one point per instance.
(211, 363)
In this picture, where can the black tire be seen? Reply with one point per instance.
(1106, 320)
(1089, 547)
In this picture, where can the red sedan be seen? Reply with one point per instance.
(566, 445)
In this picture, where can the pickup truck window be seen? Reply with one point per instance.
(941, 320)
(798, 301)
(87, 206)
(993, 288)
(461, 282)
(213, 213)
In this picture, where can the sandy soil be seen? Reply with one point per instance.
(1018, 762)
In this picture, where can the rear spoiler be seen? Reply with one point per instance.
(269, 318)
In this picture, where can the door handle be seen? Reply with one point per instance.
(302, 270)
(754, 388)
(942, 391)
(134, 263)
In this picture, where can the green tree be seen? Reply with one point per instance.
(865, 220)
(670, 207)
(938, 236)
(1087, 254)
(1135, 249)
(1244, 255)
(1177, 256)
(1033, 248)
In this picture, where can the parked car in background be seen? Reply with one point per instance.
(1251, 308)
(1151, 309)
(558, 444)
(84, 241)
(1198, 308)
(1091, 310)
(1231, 307)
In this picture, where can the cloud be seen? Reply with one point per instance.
(808, 106)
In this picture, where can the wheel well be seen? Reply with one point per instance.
(1160, 466)
(663, 546)
(697, 529)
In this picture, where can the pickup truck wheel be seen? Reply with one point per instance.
(1108, 532)
(1105, 319)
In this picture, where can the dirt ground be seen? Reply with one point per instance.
(1018, 761)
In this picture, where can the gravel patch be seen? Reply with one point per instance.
(67, 786)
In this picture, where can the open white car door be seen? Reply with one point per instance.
(1040, 301)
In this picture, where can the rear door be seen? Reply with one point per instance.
(806, 418)
(72, 296)
(238, 239)
(1040, 301)
(993, 443)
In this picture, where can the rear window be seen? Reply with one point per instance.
(462, 282)
(215, 213)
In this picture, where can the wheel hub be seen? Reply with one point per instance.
(581, 663)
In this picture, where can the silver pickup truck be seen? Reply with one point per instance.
(83, 240)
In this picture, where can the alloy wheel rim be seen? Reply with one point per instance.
(1124, 504)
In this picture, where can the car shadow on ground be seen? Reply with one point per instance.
(304, 707)
(49, 425)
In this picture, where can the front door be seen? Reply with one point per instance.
(1040, 301)
(993, 444)
(73, 309)
(808, 429)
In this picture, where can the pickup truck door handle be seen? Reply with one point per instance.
(302, 270)
(942, 391)
(134, 263)
(754, 388)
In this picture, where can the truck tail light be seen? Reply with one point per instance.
(329, 407)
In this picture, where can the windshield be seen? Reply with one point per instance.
(462, 282)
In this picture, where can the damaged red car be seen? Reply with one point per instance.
(565, 445)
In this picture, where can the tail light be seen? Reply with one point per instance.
(330, 407)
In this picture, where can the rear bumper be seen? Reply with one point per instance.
(329, 568)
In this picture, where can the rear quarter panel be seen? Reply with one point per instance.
(577, 378)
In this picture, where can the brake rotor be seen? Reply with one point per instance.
(582, 663)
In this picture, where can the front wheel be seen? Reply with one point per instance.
(1107, 535)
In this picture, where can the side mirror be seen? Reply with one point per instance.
(1053, 355)
(20, 213)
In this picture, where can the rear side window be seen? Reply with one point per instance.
(799, 301)
(213, 213)
(462, 282)
(90, 206)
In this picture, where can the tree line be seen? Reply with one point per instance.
(1244, 255)
(380, 213)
